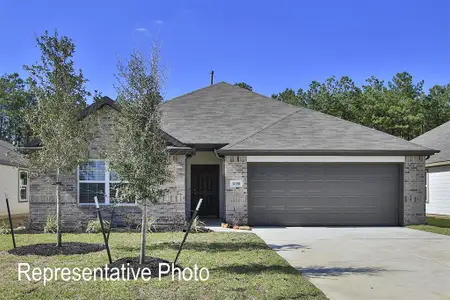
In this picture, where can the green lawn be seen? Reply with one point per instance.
(241, 266)
(435, 224)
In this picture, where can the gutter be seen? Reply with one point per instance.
(328, 152)
(438, 164)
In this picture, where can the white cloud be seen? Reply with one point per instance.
(141, 29)
(159, 22)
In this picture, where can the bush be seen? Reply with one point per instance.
(238, 218)
(4, 229)
(51, 224)
(197, 225)
(151, 224)
(93, 226)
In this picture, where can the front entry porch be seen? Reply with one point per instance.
(204, 180)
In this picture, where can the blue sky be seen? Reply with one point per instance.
(270, 45)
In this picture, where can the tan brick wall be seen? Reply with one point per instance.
(236, 198)
(414, 190)
(75, 217)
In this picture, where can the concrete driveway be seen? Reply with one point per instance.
(367, 263)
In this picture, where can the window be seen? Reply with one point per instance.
(23, 186)
(94, 179)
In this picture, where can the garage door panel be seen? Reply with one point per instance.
(333, 194)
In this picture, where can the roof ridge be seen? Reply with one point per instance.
(264, 96)
(370, 128)
(262, 128)
(233, 86)
(195, 91)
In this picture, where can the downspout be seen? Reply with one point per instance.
(222, 181)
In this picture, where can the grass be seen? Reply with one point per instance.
(241, 266)
(435, 224)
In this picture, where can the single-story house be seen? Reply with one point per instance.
(14, 182)
(438, 169)
(258, 161)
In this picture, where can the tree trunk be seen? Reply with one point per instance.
(58, 210)
(143, 234)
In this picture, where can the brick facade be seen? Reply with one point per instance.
(236, 198)
(171, 209)
(414, 192)
(75, 217)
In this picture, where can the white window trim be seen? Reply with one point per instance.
(107, 183)
(19, 199)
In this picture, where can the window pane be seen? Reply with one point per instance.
(89, 190)
(112, 192)
(92, 170)
(23, 193)
(23, 178)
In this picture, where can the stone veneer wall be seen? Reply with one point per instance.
(236, 198)
(75, 217)
(414, 192)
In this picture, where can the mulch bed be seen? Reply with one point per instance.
(51, 249)
(131, 264)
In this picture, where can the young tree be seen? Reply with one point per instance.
(60, 94)
(138, 152)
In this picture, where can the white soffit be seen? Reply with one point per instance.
(328, 159)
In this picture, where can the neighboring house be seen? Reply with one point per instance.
(438, 169)
(14, 181)
(258, 161)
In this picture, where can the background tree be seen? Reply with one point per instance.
(400, 107)
(244, 86)
(138, 152)
(15, 100)
(436, 106)
(290, 97)
(61, 96)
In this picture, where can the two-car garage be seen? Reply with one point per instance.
(321, 194)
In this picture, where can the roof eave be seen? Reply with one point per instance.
(180, 150)
(327, 152)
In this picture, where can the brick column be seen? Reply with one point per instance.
(236, 198)
(414, 190)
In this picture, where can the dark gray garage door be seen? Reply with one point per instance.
(323, 194)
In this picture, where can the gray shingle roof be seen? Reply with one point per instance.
(9, 156)
(437, 138)
(219, 114)
(310, 131)
(247, 121)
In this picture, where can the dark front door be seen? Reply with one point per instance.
(205, 185)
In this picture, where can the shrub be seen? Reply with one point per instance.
(151, 224)
(197, 225)
(238, 218)
(51, 224)
(93, 226)
(4, 229)
(130, 222)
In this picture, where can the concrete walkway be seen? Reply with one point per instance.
(367, 263)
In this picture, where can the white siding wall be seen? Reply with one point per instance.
(438, 191)
(9, 182)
